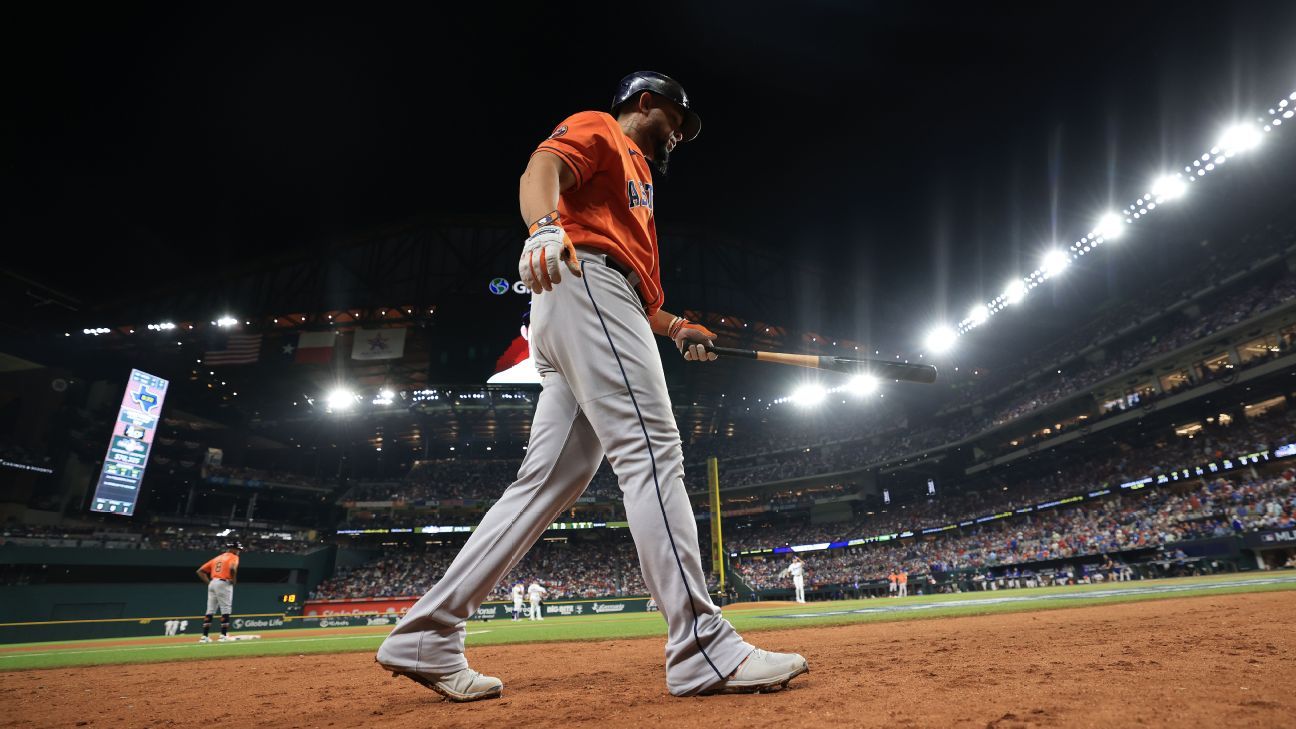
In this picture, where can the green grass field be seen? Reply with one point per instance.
(747, 618)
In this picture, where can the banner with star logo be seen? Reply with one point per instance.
(371, 344)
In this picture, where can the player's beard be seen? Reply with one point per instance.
(660, 159)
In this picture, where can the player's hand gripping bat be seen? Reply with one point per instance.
(880, 368)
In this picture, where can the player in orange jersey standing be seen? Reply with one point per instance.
(592, 264)
(220, 573)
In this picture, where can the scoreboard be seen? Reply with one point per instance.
(128, 450)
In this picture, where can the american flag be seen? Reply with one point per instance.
(233, 349)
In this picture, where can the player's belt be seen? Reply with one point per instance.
(586, 253)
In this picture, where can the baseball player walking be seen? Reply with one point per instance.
(592, 264)
(797, 570)
(517, 592)
(535, 592)
(220, 573)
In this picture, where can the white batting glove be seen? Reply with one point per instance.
(692, 340)
(543, 255)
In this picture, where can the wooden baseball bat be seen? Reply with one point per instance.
(880, 368)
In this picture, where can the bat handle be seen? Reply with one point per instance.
(732, 352)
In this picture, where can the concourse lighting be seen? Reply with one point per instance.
(1015, 291)
(340, 399)
(978, 315)
(1110, 226)
(226, 321)
(1055, 262)
(861, 385)
(939, 340)
(1239, 138)
(809, 395)
(1169, 187)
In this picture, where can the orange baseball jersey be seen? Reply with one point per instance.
(892, 577)
(903, 578)
(610, 208)
(221, 567)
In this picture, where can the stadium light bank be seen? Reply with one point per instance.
(1235, 139)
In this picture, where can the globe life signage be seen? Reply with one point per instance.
(500, 286)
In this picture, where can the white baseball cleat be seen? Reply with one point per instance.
(761, 672)
(225, 638)
(204, 639)
(462, 685)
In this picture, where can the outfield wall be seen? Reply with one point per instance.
(189, 623)
(108, 593)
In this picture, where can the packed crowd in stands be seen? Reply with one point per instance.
(567, 571)
(1074, 473)
(1155, 518)
(856, 454)
(466, 478)
(1219, 315)
(171, 539)
(1150, 305)
(255, 474)
(395, 574)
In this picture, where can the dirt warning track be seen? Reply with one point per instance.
(1227, 660)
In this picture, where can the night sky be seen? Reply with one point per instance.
(923, 152)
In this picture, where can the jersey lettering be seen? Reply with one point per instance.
(639, 194)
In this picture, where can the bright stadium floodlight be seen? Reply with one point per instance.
(940, 340)
(1239, 138)
(340, 399)
(1169, 187)
(226, 321)
(1015, 291)
(1054, 262)
(862, 385)
(978, 315)
(1110, 226)
(809, 395)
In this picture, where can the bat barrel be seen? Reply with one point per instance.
(925, 374)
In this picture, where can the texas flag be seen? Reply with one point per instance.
(309, 347)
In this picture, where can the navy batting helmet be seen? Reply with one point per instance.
(662, 85)
(234, 544)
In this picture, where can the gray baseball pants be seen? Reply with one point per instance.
(604, 392)
(220, 597)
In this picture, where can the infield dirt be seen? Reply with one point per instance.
(1205, 661)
